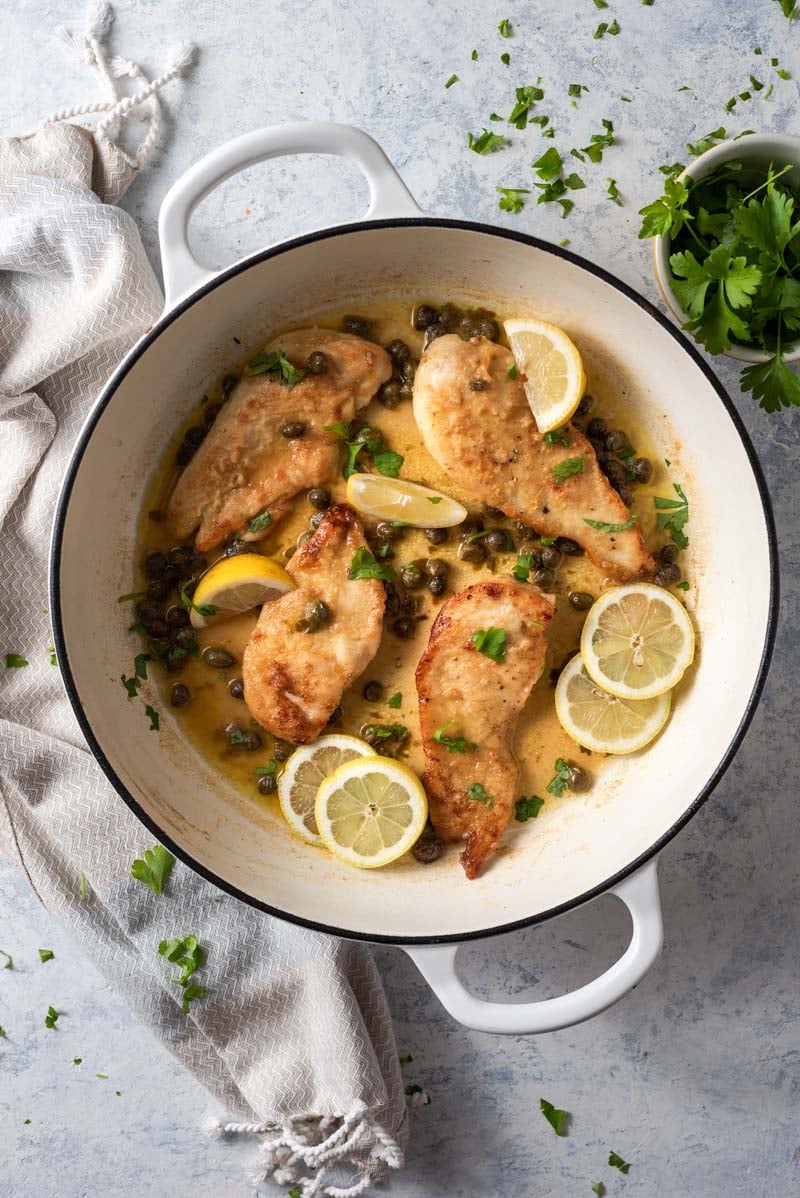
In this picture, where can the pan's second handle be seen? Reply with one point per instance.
(639, 893)
(388, 194)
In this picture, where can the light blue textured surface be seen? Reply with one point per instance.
(694, 1077)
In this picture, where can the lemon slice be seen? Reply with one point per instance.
(235, 584)
(305, 770)
(371, 811)
(396, 499)
(602, 722)
(637, 641)
(554, 376)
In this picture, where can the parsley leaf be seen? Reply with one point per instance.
(155, 869)
(395, 700)
(505, 59)
(555, 1117)
(15, 661)
(772, 383)
(557, 436)
(453, 79)
(729, 281)
(525, 563)
(526, 98)
(673, 515)
(599, 142)
(364, 565)
(613, 191)
(511, 198)
(601, 29)
(485, 142)
(388, 463)
(491, 642)
(616, 1160)
(559, 784)
(548, 167)
(46, 954)
(598, 1187)
(505, 27)
(602, 526)
(131, 685)
(566, 469)
(260, 522)
(51, 1017)
(454, 744)
(266, 771)
(153, 716)
(278, 366)
(527, 808)
(477, 794)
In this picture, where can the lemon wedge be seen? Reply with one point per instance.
(396, 499)
(371, 811)
(234, 585)
(602, 722)
(554, 378)
(637, 641)
(305, 771)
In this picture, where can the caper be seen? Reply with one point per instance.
(478, 384)
(317, 362)
(180, 556)
(389, 395)
(197, 562)
(292, 429)
(618, 442)
(424, 316)
(358, 325)
(584, 406)
(154, 565)
(643, 469)
(177, 617)
(316, 519)
(147, 610)
(373, 692)
(544, 577)
(185, 637)
(436, 536)
(667, 574)
(578, 779)
(596, 429)
(251, 741)
(336, 715)
(431, 333)
(234, 732)
(369, 733)
(625, 494)
(450, 317)
(438, 585)
(236, 688)
(532, 550)
(185, 453)
(569, 547)
(179, 695)
(235, 547)
(617, 473)
(194, 435)
(487, 328)
(428, 848)
(315, 614)
(157, 627)
(551, 557)
(366, 434)
(408, 371)
(392, 606)
(668, 553)
(267, 784)
(472, 551)
(218, 659)
(403, 627)
(289, 551)
(398, 351)
(282, 750)
(319, 498)
(498, 540)
(388, 531)
(406, 391)
(411, 576)
(494, 513)
(304, 536)
(580, 600)
(210, 413)
(435, 567)
(158, 590)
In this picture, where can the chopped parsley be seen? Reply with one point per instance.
(504, 27)
(155, 869)
(453, 744)
(153, 717)
(600, 4)
(387, 462)
(599, 142)
(395, 700)
(548, 167)
(386, 731)
(613, 28)
(51, 1017)
(364, 565)
(557, 436)
(600, 31)
(527, 808)
(131, 595)
(236, 736)
(189, 956)
(511, 371)
(477, 794)
(682, 586)
(131, 685)
(559, 783)
(511, 198)
(485, 142)
(405, 1059)
(15, 661)
(673, 515)
(613, 191)
(202, 609)
(575, 89)
(266, 771)
(474, 55)
(453, 79)
(526, 98)
(2, 1032)
(555, 1117)
(491, 642)
(83, 888)
(505, 59)
(602, 526)
(260, 522)
(616, 1160)
(524, 564)
(9, 960)
(46, 954)
(566, 469)
(278, 366)
(51, 652)
(598, 1187)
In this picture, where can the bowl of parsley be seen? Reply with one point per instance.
(726, 248)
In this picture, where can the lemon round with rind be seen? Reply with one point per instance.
(602, 722)
(398, 499)
(371, 811)
(236, 584)
(637, 641)
(551, 369)
(306, 770)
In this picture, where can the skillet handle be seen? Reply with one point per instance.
(639, 893)
(388, 195)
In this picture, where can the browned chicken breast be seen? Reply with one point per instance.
(477, 424)
(246, 466)
(476, 701)
(293, 680)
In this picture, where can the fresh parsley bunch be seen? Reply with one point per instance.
(736, 267)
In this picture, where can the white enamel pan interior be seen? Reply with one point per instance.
(606, 840)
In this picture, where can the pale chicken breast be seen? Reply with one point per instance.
(245, 466)
(473, 697)
(293, 680)
(477, 424)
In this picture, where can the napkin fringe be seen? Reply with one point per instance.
(292, 1147)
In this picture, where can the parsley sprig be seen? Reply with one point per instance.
(154, 870)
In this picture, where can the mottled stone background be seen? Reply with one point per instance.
(693, 1077)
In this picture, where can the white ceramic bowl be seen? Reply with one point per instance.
(758, 149)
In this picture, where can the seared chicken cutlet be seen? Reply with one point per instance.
(477, 424)
(246, 466)
(293, 680)
(477, 700)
